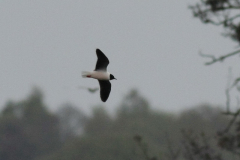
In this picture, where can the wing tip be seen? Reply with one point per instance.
(97, 50)
(104, 100)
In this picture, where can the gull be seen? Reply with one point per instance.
(101, 74)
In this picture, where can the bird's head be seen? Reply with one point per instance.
(112, 77)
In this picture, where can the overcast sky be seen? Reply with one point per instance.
(152, 46)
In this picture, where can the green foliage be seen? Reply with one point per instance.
(14, 142)
(100, 122)
(96, 148)
(133, 103)
(29, 131)
(71, 121)
(107, 137)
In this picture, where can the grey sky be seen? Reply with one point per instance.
(151, 45)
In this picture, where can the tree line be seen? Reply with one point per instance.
(30, 131)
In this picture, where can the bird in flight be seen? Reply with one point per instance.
(100, 73)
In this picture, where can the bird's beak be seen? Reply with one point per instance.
(115, 78)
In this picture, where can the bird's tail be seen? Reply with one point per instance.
(85, 74)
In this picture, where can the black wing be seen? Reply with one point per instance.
(102, 61)
(105, 89)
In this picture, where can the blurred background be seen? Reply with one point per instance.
(163, 90)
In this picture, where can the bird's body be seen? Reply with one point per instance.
(100, 73)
